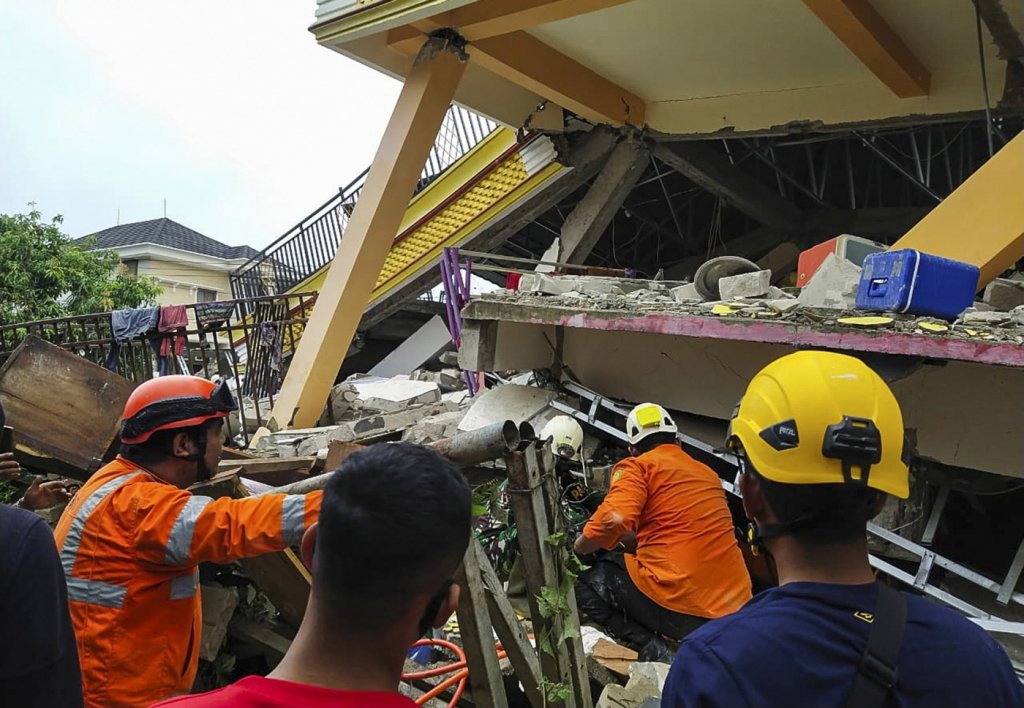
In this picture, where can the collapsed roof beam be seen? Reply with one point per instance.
(711, 171)
(590, 217)
(857, 24)
(489, 18)
(528, 62)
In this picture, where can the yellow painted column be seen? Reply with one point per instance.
(982, 221)
(390, 183)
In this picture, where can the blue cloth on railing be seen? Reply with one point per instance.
(125, 324)
(133, 322)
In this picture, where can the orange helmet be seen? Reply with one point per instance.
(173, 402)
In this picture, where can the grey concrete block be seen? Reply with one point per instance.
(833, 286)
(754, 284)
(1004, 294)
(686, 293)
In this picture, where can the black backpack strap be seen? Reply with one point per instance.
(878, 672)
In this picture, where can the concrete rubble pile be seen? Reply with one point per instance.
(826, 302)
(423, 407)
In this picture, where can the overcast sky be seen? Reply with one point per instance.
(230, 111)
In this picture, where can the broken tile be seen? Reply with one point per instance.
(686, 293)
(784, 306)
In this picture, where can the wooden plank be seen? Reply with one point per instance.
(509, 629)
(533, 503)
(67, 410)
(337, 452)
(485, 680)
(258, 633)
(275, 471)
(282, 576)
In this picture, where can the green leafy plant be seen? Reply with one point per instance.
(46, 274)
(554, 692)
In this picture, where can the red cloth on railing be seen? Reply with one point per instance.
(173, 319)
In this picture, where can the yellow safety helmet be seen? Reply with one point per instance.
(822, 418)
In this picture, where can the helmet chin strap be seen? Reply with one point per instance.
(203, 472)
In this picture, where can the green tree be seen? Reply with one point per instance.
(45, 274)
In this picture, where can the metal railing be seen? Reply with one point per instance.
(312, 243)
(246, 341)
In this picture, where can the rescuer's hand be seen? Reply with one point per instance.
(9, 469)
(42, 495)
(627, 544)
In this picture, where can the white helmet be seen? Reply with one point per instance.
(566, 437)
(647, 419)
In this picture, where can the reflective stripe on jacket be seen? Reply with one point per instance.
(130, 545)
(687, 558)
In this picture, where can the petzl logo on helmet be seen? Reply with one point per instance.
(782, 436)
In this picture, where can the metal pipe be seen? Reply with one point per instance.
(898, 167)
(463, 449)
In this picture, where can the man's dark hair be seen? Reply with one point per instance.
(158, 446)
(394, 524)
(654, 440)
(822, 513)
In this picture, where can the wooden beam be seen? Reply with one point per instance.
(489, 18)
(525, 60)
(532, 64)
(425, 97)
(858, 25)
(590, 217)
(485, 679)
(710, 170)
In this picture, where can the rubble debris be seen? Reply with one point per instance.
(1004, 294)
(640, 692)
(707, 276)
(219, 604)
(424, 345)
(833, 286)
(614, 657)
(973, 316)
(511, 401)
(686, 293)
(753, 284)
(382, 395)
(434, 427)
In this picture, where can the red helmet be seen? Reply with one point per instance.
(173, 402)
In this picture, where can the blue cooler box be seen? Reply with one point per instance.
(916, 283)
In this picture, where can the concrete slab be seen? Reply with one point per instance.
(686, 293)
(833, 286)
(753, 284)
(1004, 294)
(425, 344)
(508, 402)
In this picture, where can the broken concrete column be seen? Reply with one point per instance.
(1004, 294)
(754, 284)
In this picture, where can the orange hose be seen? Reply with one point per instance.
(459, 666)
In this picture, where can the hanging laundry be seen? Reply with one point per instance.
(125, 324)
(213, 314)
(174, 320)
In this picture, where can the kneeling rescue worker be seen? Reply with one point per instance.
(686, 567)
(132, 539)
(820, 442)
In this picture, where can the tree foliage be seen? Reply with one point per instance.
(45, 274)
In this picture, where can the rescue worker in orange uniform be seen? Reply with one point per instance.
(675, 562)
(132, 539)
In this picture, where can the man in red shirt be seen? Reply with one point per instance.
(394, 525)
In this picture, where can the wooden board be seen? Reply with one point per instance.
(282, 576)
(275, 471)
(66, 411)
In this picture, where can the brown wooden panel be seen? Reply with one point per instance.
(65, 410)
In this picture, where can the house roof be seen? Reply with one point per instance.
(169, 233)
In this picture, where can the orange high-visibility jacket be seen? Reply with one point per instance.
(131, 544)
(687, 558)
